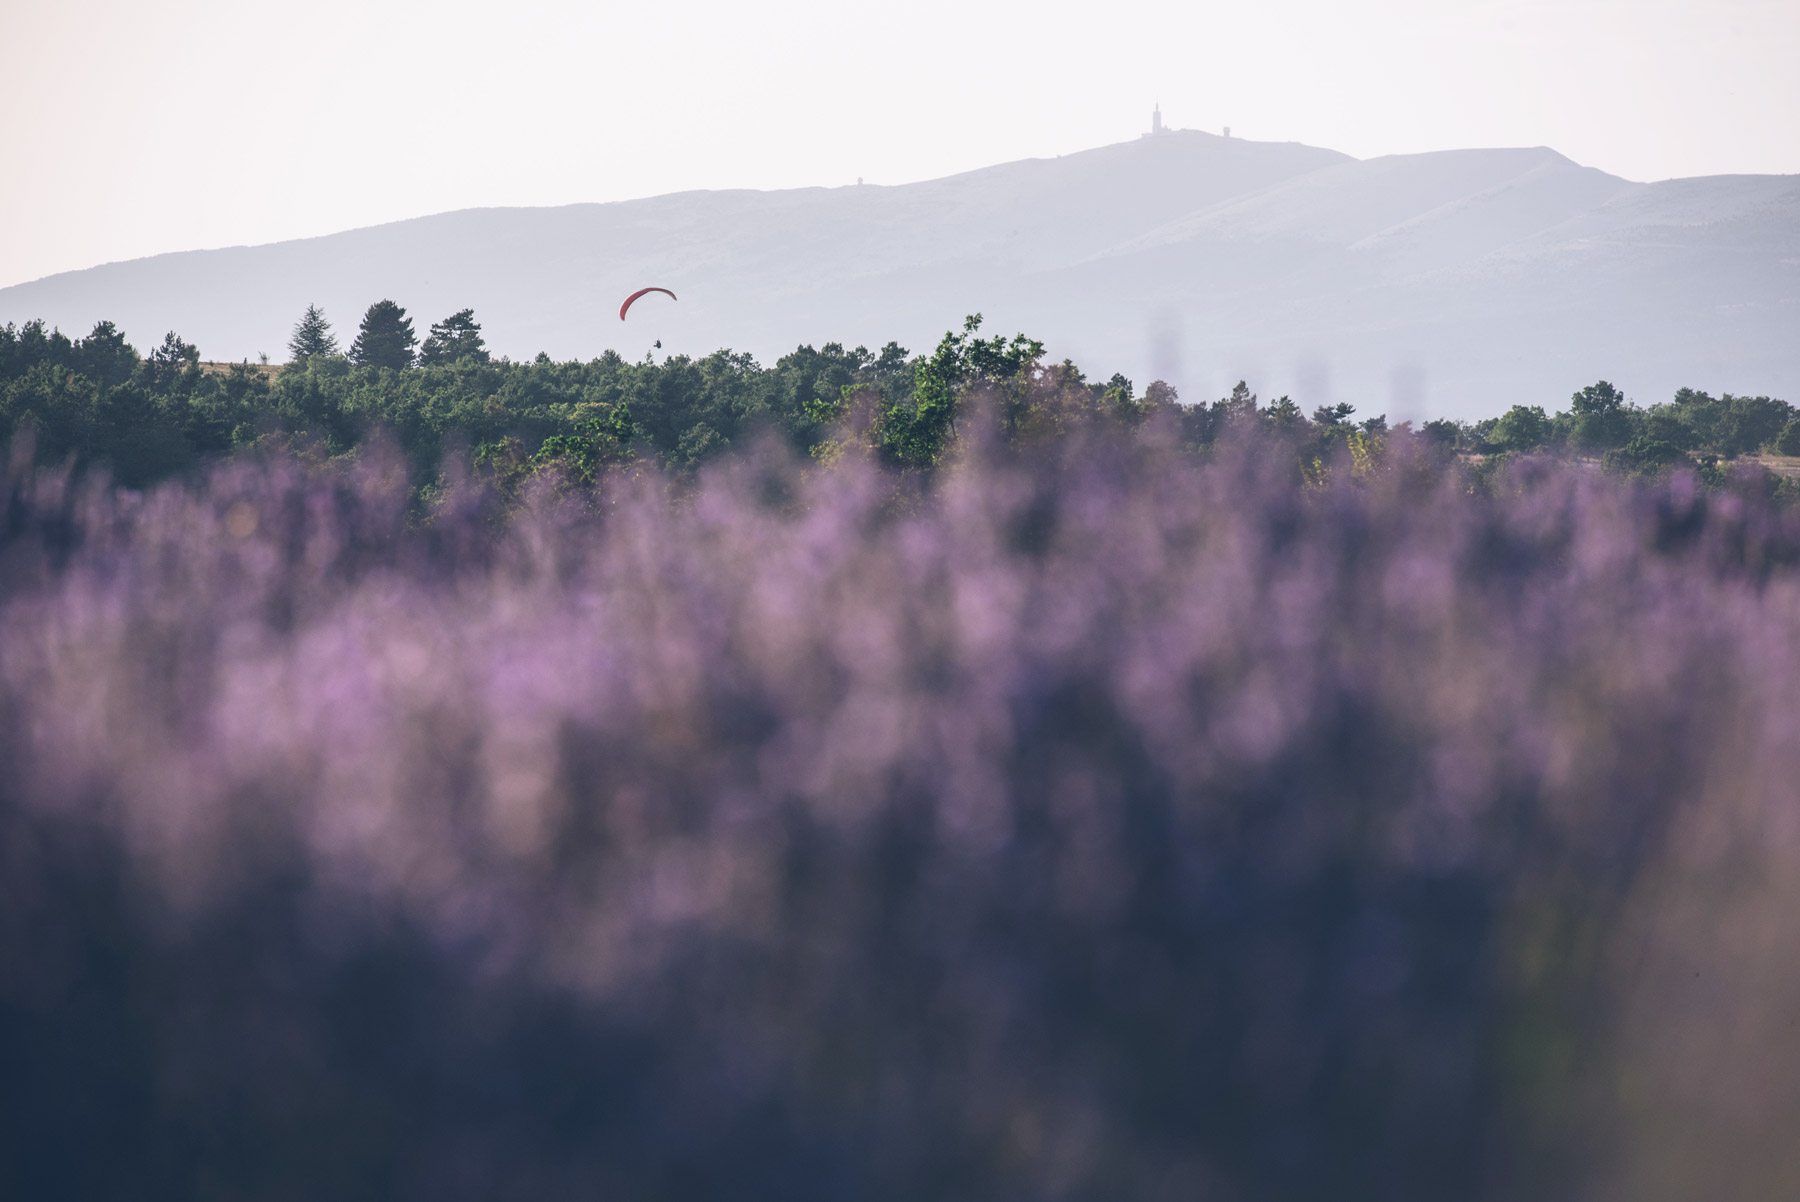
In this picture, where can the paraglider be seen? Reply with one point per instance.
(630, 300)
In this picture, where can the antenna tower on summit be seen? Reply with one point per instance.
(1156, 125)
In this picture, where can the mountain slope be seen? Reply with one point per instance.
(1456, 282)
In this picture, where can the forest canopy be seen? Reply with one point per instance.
(96, 401)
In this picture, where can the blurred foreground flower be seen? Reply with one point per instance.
(1100, 825)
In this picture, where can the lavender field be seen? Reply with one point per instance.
(1103, 823)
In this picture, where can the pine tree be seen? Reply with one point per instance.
(456, 337)
(385, 339)
(1240, 406)
(175, 353)
(312, 336)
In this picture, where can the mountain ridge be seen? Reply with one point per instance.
(1452, 282)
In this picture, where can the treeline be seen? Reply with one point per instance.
(1599, 422)
(96, 402)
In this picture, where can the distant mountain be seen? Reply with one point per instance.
(1457, 282)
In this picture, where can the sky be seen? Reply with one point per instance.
(135, 127)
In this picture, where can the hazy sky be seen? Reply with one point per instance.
(133, 127)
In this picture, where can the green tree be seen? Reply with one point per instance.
(454, 338)
(385, 338)
(312, 336)
(175, 354)
(1598, 397)
(1750, 423)
(918, 435)
(104, 356)
(1239, 406)
(1520, 429)
(893, 361)
(1665, 423)
(171, 359)
(605, 439)
(1601, 418)
(1333, 416)
(1442, 435)
(1788, 441)
(1284, 414)
(1643, 457)
(1117, 401)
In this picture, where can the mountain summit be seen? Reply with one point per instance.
(1456, 282)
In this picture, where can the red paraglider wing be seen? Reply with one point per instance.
(638, 293)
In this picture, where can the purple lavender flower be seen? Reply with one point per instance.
(1095, 822)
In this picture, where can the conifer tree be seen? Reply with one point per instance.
(175, 354)
(456, 337)
(386, 338)
(312, 336)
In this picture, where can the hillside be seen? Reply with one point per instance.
(1453, 283)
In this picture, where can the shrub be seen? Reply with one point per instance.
(1788, 441)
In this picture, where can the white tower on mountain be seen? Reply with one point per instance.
(1156, 125)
